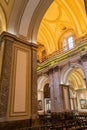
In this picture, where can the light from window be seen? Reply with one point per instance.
(70, 42)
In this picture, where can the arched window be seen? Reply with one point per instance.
(68, 43)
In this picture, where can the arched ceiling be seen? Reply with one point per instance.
(23, 17)
(61, 17)
(76, 79)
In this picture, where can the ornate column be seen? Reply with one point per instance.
(5, 74)
(84, 64)
(34, 84)
(56, 97)
(18, 81)
(51, 85)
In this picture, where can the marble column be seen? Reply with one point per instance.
(56, 97)
(51, 85)
(34, 85)
(84, 64)
(5, 74)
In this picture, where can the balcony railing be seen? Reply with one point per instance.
(77, 42)
(62, 56)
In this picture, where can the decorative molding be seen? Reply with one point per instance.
(60, 59)
(16, 108)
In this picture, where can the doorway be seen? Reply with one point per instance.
(47, 101)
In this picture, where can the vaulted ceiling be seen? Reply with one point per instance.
(63, 16)
(76, 79)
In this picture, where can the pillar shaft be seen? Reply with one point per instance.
(84, 64)
(34, 85)
(55, 88)
(5, 76)
(18, 79)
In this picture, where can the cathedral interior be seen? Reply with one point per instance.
(43, 64)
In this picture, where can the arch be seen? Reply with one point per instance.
(16, 16)
(26, 14)
(2, 20)
(65, 34)
(36, 19)
(41, 81)
(67, 70)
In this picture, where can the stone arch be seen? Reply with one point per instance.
(2, 20)
(41, 9)
(31, 16)
(72, 77)
(67, 70)
(41, 82)
(37, 15)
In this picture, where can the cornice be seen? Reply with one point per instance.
(11, 37)
(63, 58)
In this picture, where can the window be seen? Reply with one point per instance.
(71, 42)
(68, 43)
